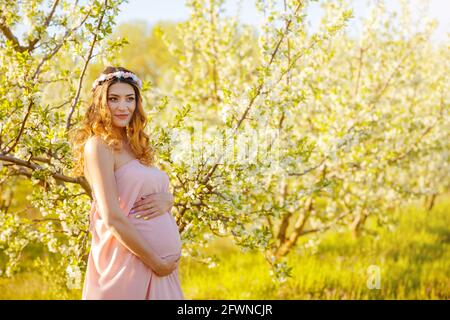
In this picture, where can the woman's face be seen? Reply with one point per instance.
(121, 103)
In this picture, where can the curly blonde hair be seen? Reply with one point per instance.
(98, 122)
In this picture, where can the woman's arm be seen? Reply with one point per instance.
(125, 232)
(100, 165)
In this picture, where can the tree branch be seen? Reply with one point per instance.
(22, 128)
(57, 176)
(32, 43)
(258, 92)
(87, 60)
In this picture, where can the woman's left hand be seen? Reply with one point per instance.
(152, 205)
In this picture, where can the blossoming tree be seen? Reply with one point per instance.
(268, 136)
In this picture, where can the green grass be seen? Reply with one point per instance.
(414, 263)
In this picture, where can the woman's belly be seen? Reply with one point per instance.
(161, 232)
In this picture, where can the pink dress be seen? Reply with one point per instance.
(113, 272)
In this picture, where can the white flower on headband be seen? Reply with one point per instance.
(117, 74)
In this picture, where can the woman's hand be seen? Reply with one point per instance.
(168, 265)
(152, 205)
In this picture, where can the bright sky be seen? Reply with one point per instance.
(153, 11)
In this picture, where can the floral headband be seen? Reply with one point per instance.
(117, 74)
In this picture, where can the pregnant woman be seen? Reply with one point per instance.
(134, 253)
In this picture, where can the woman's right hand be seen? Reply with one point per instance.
(167, 265)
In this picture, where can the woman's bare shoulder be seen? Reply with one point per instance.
(97, 147)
